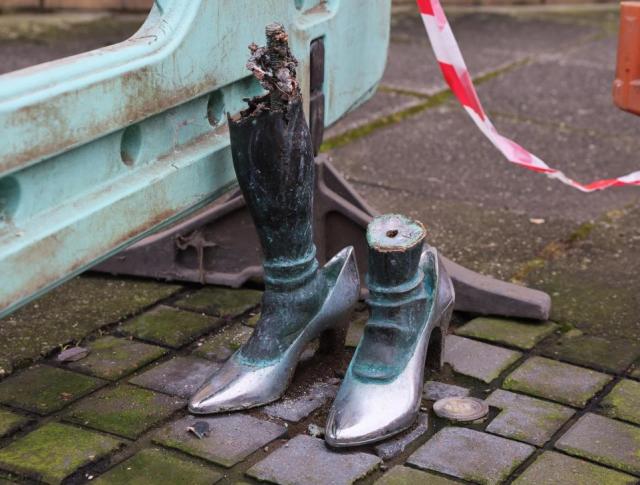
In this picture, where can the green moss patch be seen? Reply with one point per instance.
(112, 358)
(609, 354)
(402, 475)
(10, 422)
(623, 402)
(43, 390)
(552, 467)
(55, 451)
(223, 302)
(510, 332)
(124, 410)
(556, 381)
(169, 326)
(221, 346)
(152, 466)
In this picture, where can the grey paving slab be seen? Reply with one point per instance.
(402, 475)
(154, 466)
(557, 381)
(223, 302)
(527, 419)
(391, 448)
(10, 422)
(440, 155)
(112, 358)
(356, 328)
(307, 461)
(623, 401)
(70, 312)
(604, 440)
(476, 359)
(523, 335)
(553, 468)
(434, 390)
(169, 326)
(635, 371)
(231, 439)
(123, 410)
(222, 345)
(180, 376)
(43, 390)
(546, 90)
(471, 455)
(608, 354)
(54, 451)
(488, 42)
(383, 103)
(297, 408)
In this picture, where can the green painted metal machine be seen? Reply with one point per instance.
(103, 148)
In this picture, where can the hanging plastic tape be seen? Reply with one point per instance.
(456, 74)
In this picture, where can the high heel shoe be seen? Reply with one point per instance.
(411, 301)
(273, 160)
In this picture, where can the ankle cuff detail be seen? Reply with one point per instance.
(292, 272)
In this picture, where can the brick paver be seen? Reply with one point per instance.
(471, 455)
(510, 332)
(553, 468)
(298, 408)
(623, 402)
(180, 376)
(525, 418)
(124, 410)
(476, 359)
(307, 461)
(10, 422)
(611, 355)
(393, 447)
(223, 302)
(402, 475)
(604, 440)
(222, 345)
(153, 466)
(55, 451)
(231, 438)
(112, 358)
(169, 326)
(42, 389)
(556, 381)
(434, 390)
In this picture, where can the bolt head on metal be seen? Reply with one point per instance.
(461, 409)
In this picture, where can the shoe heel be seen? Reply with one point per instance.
(435, 349)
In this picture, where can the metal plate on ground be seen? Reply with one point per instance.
(461, 409)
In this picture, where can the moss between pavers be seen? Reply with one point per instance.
(555, 468)
(402, 475)
(223, 302)
(55, 451)
(43, 390)
(10, 422)
(556, 381)
(70, 312)
(124, 410)
(112, 358)
(169, 326)
(152, 466)
(610, 354)
(623, 402)
(510, 332)
(222, 345)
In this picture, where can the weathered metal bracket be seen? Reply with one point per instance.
(219, 245)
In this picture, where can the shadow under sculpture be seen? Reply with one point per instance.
(274, 164)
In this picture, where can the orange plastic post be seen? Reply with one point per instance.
(626, 87)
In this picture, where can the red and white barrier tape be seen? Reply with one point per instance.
(455, 72)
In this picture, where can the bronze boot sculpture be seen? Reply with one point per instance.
(411, 299)
(274, 164)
